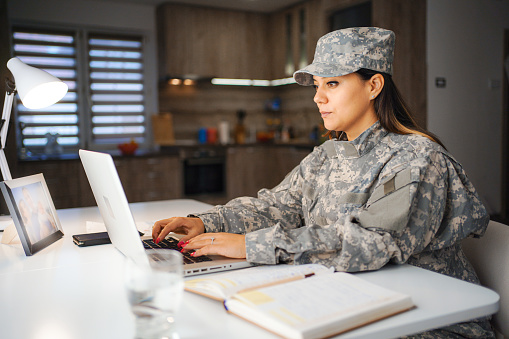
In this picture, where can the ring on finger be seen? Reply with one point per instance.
(212, 240)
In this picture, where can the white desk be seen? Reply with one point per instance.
(66, 291)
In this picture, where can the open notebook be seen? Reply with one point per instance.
(118, 219)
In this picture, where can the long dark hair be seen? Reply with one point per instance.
(391, 110)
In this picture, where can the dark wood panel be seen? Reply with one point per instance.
(143, 179)
(249, 168)
(252, 168)
(213, 42)
(408, 21)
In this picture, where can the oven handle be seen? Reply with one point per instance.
(205, 161)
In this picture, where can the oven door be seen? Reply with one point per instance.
(204, 175)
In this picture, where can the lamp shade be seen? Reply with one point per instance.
(36, 88)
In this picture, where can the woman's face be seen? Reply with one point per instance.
(345, 103)
(25, 213)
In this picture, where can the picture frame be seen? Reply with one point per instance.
(32, 211)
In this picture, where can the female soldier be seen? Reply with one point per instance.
(380, 190)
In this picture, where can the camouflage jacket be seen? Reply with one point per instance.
(358, 205)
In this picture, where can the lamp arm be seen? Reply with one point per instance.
(4, 126)
(6, 116)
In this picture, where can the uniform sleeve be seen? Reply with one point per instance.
(407, 212)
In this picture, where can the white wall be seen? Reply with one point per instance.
(115, 16)
(465, 46)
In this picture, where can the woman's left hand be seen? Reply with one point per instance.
(225, 244)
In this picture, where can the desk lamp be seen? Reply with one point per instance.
(36, 89)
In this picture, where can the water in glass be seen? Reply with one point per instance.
(154, 291)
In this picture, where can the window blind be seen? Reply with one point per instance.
(116, 88)
(105, 105)
(54, 52)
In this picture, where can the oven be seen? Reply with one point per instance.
(204, 170)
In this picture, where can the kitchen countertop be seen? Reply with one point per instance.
(176, 149)
(194, 144)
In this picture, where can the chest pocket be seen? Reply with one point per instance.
(342, 204)
(310, 213)
(389, 206)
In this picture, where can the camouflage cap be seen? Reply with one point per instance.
(348, 50)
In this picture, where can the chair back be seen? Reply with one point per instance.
(490, 257)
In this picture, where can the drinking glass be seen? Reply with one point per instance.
(154, 289)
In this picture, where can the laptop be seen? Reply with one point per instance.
(118, 219)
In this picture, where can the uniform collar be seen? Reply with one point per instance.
(359, 146)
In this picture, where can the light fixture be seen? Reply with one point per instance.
(175, 81)
(252, 82)
(36, 89)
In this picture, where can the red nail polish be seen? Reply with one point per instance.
(180, 243)
(193, 254)
(158, 240)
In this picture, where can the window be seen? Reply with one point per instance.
(115, 70)
(105, 104)
(56, 54)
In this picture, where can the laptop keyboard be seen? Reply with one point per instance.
(172, 244)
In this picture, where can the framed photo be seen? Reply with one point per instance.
(32, 211)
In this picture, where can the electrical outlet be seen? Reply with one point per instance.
(440, 82)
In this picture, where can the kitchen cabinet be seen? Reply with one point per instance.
(286, 158)
(150, 178)
(62, 178)
(295, 32)
(144, 178)
(250, 168)
(210, 42)
(160, 177)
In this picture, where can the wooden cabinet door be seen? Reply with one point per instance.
(212, 42)
(62, 178)
(160, 180)
(286, 158)
(295, 32)
(150, 178)
(246, 170)
(252, 168)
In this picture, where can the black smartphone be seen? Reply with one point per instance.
(91, 239)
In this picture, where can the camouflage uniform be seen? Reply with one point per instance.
(359, 205)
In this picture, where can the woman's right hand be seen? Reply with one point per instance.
(191, 227)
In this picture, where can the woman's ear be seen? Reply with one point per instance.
(376, 84)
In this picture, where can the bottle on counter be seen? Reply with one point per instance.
(285, 133)
(240, 128)
(202, 135)
(224, 132)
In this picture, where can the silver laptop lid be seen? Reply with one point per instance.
(119, 221)
(112, 202)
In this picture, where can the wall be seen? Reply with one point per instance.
(465, 46)
(121, 17)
